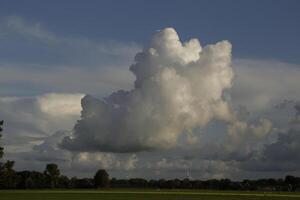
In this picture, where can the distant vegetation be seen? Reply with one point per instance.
(1, 148)
(52, 178)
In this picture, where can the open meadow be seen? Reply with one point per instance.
(115, 194)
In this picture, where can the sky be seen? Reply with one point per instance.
(152, 89)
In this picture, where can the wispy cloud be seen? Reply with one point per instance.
(19, 26)
(45, 60)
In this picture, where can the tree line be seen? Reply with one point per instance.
(51, 178)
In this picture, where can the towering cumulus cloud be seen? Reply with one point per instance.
(178, 87)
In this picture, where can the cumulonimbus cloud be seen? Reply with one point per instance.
(178, 87)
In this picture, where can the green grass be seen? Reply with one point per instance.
(122, 194)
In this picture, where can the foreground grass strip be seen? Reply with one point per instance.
(200, 193)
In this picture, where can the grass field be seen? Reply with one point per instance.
(115, 194)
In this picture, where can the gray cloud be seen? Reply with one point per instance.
(29, 119)
(235, 156)
(282, 156)
(260, 84)
(286, 148)
(66, 79)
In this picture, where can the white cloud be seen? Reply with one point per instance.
(29, 119)
(16, 24)
(178, 87)
(60, 105)
(91, 161)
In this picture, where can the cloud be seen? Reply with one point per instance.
(66, 79)
(91, 161)
(236, 141)
(242, 153)
(281, 156)
(44, 47)
(16, 24)
(78, 164)
(40, 61)
(282, 153)
(260, 84)
(286, 148)
(35, 125)
(244, 139)
(191, 168)
(66, 103)
(29, 119)
(178, 87)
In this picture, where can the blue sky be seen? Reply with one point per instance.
(258, 29)
(223, 112)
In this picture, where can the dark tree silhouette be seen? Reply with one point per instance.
(8, 177)
(1, 148)
(101, 179)
(52, 174)
(293, 182)
(31, 180)
(7, 173)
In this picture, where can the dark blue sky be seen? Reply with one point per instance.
(257, 29)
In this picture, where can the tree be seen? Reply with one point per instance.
(52, 173)
(30, 179)
(292, 182)
(101, 179)
(63, 182)
(1, 148)
(8, 177)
